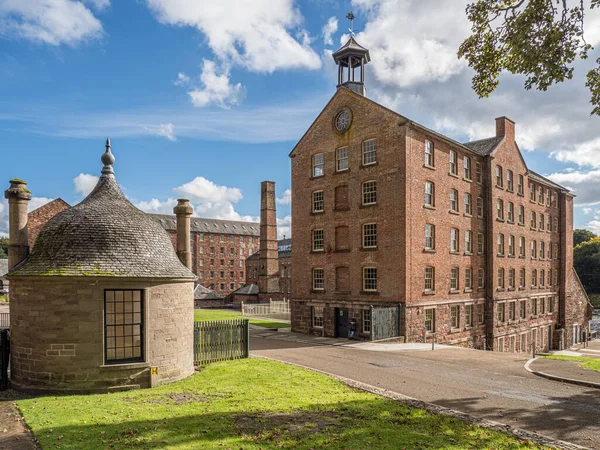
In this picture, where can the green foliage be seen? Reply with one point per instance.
(537, 38)
(580, 235)
(586, 260)
(3, 248)
(204, 315)
(251, 404)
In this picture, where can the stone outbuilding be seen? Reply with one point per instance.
(102, 302)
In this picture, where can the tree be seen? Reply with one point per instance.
(580, 236)
(586, 260)
(3, 248)
(537, 38)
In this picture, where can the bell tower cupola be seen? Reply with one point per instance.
(351, 59)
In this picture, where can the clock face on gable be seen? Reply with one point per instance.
(342, 121)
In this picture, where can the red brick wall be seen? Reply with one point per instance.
(37, 218)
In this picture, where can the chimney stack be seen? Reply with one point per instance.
(268, 281)
(505, 127)
(18, 243)
(184, 211)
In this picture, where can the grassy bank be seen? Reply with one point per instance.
(248, 404)
(201, 315)
(588, 363)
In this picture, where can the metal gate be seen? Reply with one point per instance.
(4, 358)
(386, 322)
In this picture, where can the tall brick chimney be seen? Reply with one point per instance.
(184, 211)
(505, 127)
(18, 243)
(268, 280)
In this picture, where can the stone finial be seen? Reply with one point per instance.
(108, 159)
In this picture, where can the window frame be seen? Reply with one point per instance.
(372, 184)
(314, 279)
(316, 166)
(372, 237)
(366, 279)
(430, 195)
(369, 152)
(429, 154)
(315, 239)
(141, 324)
(339, 159)
(315, 201)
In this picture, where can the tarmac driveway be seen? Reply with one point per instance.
(484, 384)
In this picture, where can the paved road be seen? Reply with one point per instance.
(485, 384)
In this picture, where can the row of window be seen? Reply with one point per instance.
(222, 251)
(368, 197)
(201, 274)
(369, 279)
(453, 168)
(317, 318)
(342, 160)
(369, 237)
(537, 307)
(222, 262)
(230, 238)
(222, 286)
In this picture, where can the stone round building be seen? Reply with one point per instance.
(102, 302)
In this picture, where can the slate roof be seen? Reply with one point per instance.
(249, 289)
(351, 47)
(484, 147)
(203, 293)
(3, 267)
(103, 236)
(200, 225)
(537, 177)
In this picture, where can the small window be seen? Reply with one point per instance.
(341, 157)
(369, 235)
(511, 212)
(454, 279)
(366, 320)
(318, 279)
(500, 242)
(468, 242)
(317, 316)
(429, 236)
(555, 251)
(369, 152)
(453, 200)
(429, 161)
(481, 313)
(318, 240)
(509, 180)
(541, 227)
(522, 247)
(453, 165)
(479, 173)
(369, 193)
(468, 278)
(369, 278)
(123, 326)
(318, 202)
(318, 165)
(479, 207)
(468, 204)
(429, 194)
(500, 209)
(454, 240)
(531, 192)
(534, 249)
(534, 307)
(480, 243)
(467, 167)
(500, 312)
(499, 180)
(532, 222)
(541, 195)
(512, 310)
(430, 319)
(429, 278)
(511, 279)
(481, 278)
(454, 319)
(522, 309)
(520, 184)
(522, 278)
(534, 278)
(501, 277)
(521, 215)
(542, 249)
(468, 315)
(511, 245)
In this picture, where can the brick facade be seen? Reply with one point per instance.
(284, 274)
(465, 203)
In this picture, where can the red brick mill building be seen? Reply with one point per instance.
(471, 243)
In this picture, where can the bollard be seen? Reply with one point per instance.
(533, 349)
(432, 341)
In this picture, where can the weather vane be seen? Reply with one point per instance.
(350, 17)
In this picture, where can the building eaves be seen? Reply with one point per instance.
(541, 179)
(202, 225)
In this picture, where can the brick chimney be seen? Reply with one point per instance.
(505, 127)
(183, 211)
(18, 243)
(268, 280)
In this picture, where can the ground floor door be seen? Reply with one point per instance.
(341, 322)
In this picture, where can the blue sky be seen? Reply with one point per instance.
(206, 99)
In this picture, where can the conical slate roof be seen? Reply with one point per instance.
(104, 236)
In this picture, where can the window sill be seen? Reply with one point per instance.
(468, 215)
(429, 207)
(512, 222)
(366, 166)
(511, 256)
(132, 365)
(454, 253)
(520, 194)
(368, 205)
(498, 219)
(511, 289)
(317, 252)
(500, 186)
(468, 290)
(314, 177)
(429, 292)
(427, 166)
(468, 253)
(480, 253)
(455, 175)
(429, 250)
(512, 191)
(317, 291)
(500, 289)
(369, 293)
(454, 291)
(451, 211)
(316, 213)
(521, 224)
(521, 256)
(337, 172)
(468, 180)
(481, 289)
(500, 255)
(454, 330)
(342, 292)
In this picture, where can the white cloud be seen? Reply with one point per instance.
(286, 199)
(581, 153)
(586, 185)
(52, 22)
(85, 183)
(98, 5)
(216, 88)
(156, 206)
(182, 80)
(587, 211)
(328, 29)
(164, 129)
(201, 190)
(284, 227)
(255, 35)
(34, 203)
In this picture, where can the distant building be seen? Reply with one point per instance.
(3, 273)
(204, 297)
(285, 268)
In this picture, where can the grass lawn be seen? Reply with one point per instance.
(201, 315)
(585, 362)
(248, 404)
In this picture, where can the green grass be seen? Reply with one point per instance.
(248, 404)
(3, 298)
(201, 315)
(586, 362)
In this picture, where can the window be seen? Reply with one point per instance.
(555, 251)
(542, 305)
(541, 227)
(468, 315)
(480, 243)
(201, 275)
(511, 212)
(341, 158)
(511, 245)
(429, 278)
(222, 238)
(555, 277)
(501, 277)
(520, 184)
(454, 240)
(542, 277)
(429, 236)
(201, 249)
(317, 316)
(521, 215)
(500, 209)
(212, 238)
(479, 173)
(512, 310)
(498, 176)
(500, 241)
(467, 167)
(453, 166)
(555, 225)
(318, 279)
(318, 240)
(123, 326)
(549, 223)
(534, 309)
(542, 249)
(541, 195)
(468, 278)
(550, 304)
(469, 242)
(369, 193)
(509, 180)
(531, 192)
(522, 247)
(533, 249)
(481, 313)
(201, 237)
(429, 194)
(454, 319)
(522, 310)
(532, 221)
(318, 165)
(429, 154)
(534, 278)
(468, 204)
(318, 202)
(511, 278)
(369, 235)
(453, 200)
(430, 319)
(549, 283)
(522, 278)
(500, 312)
(369, 278)
(479, 207)
(369, 152)
(366, 320)
(242, 237)
(454, 279)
